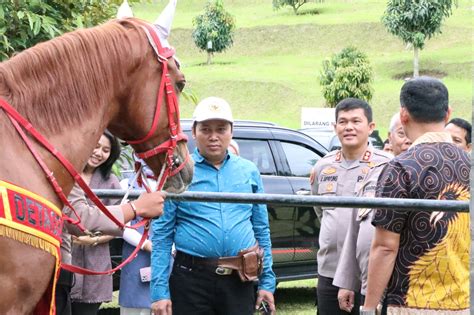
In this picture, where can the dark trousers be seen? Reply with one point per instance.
(63, 292)
(196, 289)
(79, 308)
(327, 298)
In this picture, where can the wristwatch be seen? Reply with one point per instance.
(367, 312)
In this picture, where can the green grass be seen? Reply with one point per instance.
(113, 303)
(296, 297)
(272, 69)
(292, 298)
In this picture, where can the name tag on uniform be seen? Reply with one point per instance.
(330, 178)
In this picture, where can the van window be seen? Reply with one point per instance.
(258, 151)
(300, 158)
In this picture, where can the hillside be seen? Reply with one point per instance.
(272, 69)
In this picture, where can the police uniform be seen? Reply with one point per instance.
(336, 176)
(352, 269)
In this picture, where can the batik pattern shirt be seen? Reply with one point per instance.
(431, 270)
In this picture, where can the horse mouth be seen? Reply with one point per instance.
(180, 182)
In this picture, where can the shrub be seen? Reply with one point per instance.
(347, 74)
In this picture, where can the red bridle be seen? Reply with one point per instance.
(169, 166)
(176, 134)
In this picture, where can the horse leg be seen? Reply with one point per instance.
(25, 274)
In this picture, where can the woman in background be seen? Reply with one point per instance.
(89, 291)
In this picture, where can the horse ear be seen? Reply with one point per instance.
(124, 11)
(164, 21)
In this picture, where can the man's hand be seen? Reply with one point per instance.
(161, 307)
(147, 246)
(150, 205)
(346, 299)
(268, 298)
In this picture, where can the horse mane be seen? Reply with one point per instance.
(57, 83)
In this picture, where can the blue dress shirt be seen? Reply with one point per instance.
(210, 229)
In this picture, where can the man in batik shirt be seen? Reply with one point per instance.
(422, 257)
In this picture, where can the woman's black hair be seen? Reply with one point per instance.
(106, 168)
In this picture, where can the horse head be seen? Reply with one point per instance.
(149, 107)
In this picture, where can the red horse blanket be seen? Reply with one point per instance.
(33, 220)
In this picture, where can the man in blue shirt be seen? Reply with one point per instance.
(205, 231)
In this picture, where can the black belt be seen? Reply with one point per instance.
(201, 263)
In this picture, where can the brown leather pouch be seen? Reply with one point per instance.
(251, 263)
(248, 263)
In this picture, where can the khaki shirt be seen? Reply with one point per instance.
(91, 218)
(334, 176)
(353, 266)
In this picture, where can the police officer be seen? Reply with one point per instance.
(355, 252)
(342, 173)
(351, 273)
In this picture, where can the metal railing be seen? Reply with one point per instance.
(295, 200)
(339, 201)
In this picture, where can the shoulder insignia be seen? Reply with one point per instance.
(329, 171)
(371, 164)
(329, 187)
(367, 156)
(338, 156)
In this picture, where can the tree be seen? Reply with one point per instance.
(214, 29)
(295, 4)
(415, 21)
(346, 74)
(24, 23)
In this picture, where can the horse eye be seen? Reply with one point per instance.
(180, 85)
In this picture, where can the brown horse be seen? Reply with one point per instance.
(71, 88)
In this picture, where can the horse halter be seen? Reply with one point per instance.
(171, 165)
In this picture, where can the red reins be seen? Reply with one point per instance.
(169, 165)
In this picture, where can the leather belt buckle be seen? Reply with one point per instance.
(221, 271)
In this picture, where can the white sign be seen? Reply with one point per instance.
(322, 118)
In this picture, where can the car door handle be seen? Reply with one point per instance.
(303, 192)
